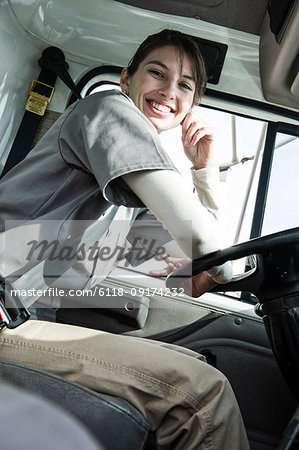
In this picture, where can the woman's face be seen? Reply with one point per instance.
(162, 87)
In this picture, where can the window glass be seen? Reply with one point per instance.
(239, 144)
(282, 210)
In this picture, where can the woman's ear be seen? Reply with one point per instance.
(125, 81)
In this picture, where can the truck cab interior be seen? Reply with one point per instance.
(249, 329)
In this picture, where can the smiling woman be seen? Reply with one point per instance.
(163, 91)
(94, 171)
(191, 72)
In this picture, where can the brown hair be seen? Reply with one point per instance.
(186, 46)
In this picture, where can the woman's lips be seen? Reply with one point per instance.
(159, 107)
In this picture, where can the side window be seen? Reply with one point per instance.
(239, 149)
(281, 210)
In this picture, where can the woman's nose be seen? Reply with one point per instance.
(168, 89)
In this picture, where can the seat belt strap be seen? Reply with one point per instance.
(12, 311)
(53, 59)
(53, 65)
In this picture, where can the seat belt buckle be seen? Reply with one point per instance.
(12, 311)
(40, 95)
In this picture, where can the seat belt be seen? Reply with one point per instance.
(53, 65)
(12, 311)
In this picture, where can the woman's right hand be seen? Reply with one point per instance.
(198, 139)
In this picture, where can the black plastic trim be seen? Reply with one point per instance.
(213, 54)
(264, 178)
(213, 93)
(288, 128)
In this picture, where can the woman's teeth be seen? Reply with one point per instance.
(159, 107)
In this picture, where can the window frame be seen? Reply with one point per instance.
(265, 172)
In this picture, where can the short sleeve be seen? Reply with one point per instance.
(114, 138)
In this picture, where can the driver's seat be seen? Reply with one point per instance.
(116, 424)
(113, 421)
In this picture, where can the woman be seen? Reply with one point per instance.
(105, 150)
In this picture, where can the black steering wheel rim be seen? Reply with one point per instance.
(275, 282)
(281, 241)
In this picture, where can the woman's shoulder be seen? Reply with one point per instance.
(110, 96)
(114, 104)
(105, 102)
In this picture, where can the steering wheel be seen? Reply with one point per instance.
(274, 281)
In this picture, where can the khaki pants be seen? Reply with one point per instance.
(189, 404)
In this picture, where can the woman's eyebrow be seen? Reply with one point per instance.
(159, 63)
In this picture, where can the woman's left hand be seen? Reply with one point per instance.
(198, 284)
(194, 286)
(172, 264)
(198, 141)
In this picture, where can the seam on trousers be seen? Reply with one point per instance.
(113, 367)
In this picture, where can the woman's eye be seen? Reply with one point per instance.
(156, 72)
(186, 86)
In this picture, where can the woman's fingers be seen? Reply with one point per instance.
(163, 272)
(194, 134)
(193, 129)
(159, 273)
(172, 264)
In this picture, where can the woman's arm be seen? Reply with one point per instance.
(194, 228)
(207, 185)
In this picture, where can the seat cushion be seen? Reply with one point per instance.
(27, 419)
(116, 424)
